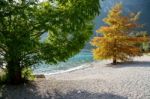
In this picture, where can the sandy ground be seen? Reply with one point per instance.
(100, 80)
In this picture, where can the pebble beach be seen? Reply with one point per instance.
(99, 80)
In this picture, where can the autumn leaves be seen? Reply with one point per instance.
(116, 42)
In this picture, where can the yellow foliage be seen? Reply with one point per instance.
(116, 43)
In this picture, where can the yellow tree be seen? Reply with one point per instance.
(115, 42)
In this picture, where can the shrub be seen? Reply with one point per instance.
(27, 74)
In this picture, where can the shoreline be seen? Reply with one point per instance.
(86, 65)
(80, 67)
(137, 62)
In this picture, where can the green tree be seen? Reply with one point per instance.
(23, 23)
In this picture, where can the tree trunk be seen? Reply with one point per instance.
(114, 61)
(115, 53)
(14, 72)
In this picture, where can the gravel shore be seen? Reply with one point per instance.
(100, 80)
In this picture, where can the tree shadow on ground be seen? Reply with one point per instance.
(25, 91)
(87, 95)
(32, 92)
(131, 64)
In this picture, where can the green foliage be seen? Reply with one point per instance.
(144, 46)
(27, 74)
(3, 77)
(22, 23)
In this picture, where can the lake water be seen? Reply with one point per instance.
(76, 61)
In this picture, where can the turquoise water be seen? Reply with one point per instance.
(78, 60)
